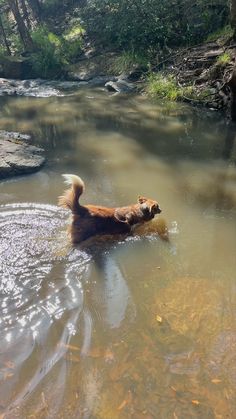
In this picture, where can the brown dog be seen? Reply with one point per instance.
(91, 220)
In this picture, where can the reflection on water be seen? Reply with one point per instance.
(137, 328)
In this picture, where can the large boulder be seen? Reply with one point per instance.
(17, 156)
(15, 67)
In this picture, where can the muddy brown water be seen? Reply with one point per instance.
(137, 328)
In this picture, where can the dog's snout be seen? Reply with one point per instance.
(159, 210)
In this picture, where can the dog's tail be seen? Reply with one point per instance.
(70, 198)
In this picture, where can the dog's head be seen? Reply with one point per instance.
(149, 207)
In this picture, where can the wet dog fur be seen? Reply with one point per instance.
(92, 220)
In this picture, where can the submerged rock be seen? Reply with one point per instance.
(17, 157)
(100, 80)
(120, 86)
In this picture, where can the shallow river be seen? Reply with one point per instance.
(139, 328)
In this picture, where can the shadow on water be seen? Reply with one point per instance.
(50, 293)
(154, 126)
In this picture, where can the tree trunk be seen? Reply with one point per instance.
(36, 8)
(25, 14)
(2, 31)
(233, 17)
(23, 31)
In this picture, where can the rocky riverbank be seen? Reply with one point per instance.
(208, 69)
(93, 69)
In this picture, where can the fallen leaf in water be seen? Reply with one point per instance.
(196, 402)
(158, 318)
(126, 401)
(69, 347)
(122, 405)
(216, 381)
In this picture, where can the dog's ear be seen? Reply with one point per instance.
(155, 209)
(141, 199)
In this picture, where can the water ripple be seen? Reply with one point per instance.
(50, 294)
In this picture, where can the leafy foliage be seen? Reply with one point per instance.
(142, 24)
(52, 52)
(141, 29)
(46, 61)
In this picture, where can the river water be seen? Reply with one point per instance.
(139, 327)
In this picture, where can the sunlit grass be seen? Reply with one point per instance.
(74, 32)
(166, 87)
(128, 60)
(224, 59)
(225, 32)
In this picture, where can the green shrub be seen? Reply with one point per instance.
(71, 50)
(46, 61)
(72, 42)
(52, 52)
(164, 87)
(143, 25)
